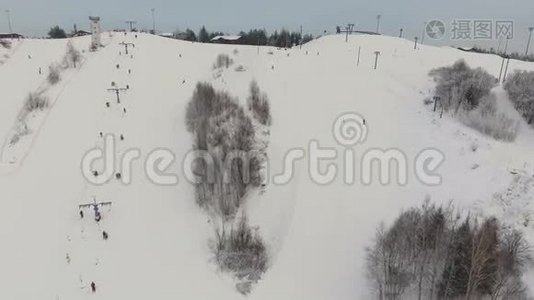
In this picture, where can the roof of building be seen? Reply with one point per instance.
(226, 38)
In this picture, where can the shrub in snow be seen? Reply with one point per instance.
(221, 128)
(240, 68)
(258, 104)
(223, 61)
(20, 131)
(72, 56)
(487, 120)
(6, 44)
(432, 253)
(241, 252)
(520, 88)
(461, 87)
(35, 101)
(54, 74)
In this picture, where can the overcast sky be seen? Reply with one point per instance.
(35, 17)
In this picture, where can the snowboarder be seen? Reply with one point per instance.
(101, 134)
(107, 104)
(67, 257)
(127, 86)
(40, 71)
(81, 214)
(129, 71)
(95, 173)
(364, 121)
(118, 176)
(105, 235)
(93, 287)
(122, 137)
(124, 110)
(118, 66)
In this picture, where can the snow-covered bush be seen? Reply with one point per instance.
(433, 253)
(241, 252)
(54, 74)
(520, 88)
(258, 104)
(20, 131)
(72, 56)
(35, 101)
(240, 68)
(486, 119)
(5, 43)
(223, 61)
(461, 87)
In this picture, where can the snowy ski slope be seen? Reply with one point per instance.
(158, 246)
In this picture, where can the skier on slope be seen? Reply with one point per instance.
(93, 287)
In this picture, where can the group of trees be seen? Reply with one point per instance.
(466, 92)
(284, 38)
(459, 86)
(433, 253)
(57, 33)
(520, 88)
(228, 164)
(222, 130)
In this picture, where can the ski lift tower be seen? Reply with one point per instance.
(95, 32)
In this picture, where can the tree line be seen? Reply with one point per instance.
(283, 38)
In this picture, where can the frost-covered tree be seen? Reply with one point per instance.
(461, 87)
(258, 104)
(57, 33)
(203, 35)
(520, 88)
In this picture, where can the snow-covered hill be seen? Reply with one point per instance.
(158, 246)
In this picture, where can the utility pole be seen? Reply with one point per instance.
(506, 45)
(126, 46)
(8, 13)
(529, 37)
(506, 70)
(117, 92)
(377, 53)
(130, 24)
(424, 33)
(301, 37)
(359, 51)
(153, 21)
(378, 17)
(349, 31)
(502, 66)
